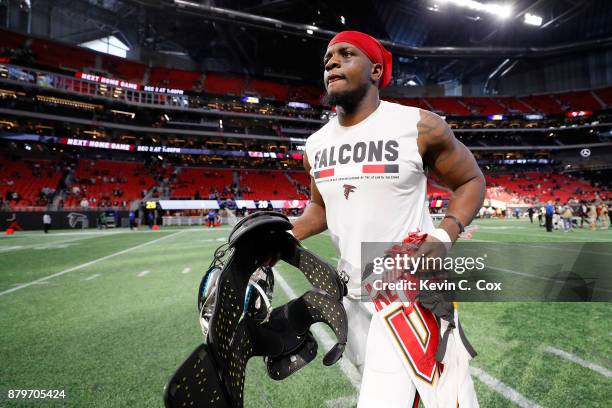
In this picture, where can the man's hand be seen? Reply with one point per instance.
(430, 250)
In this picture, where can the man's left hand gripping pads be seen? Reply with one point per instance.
(213, 375)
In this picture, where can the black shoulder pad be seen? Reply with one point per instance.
(264, 221)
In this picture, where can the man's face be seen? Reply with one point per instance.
(347, 74)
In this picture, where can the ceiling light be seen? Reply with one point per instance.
(501, 11)
(532, 19)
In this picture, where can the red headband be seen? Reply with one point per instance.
(370, 47)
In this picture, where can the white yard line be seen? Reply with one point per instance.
(565, 237)
(93, 231)
(86, 264)
(143, 273)
(342, 402)
(505, 390)
(11, 248)
(187, 270)
(553, 246)
(528, 275)
(28, 234)
(92, 277)
(47, 245)
(575, 359)
(349, 369)
(37, 283)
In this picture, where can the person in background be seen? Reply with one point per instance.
(102, 220)
(212, 216)
(530, 211)
(542, 216)
(132, 217)
(583, 213)
(604, 215)
(567, 218)
(598, 212)
(549, 211)
(592, 215)
(12, 223)
(46, 223)
(557, 222)
(150, 219)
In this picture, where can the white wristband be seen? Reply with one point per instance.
(442, 236)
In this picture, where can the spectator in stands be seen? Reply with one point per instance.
(550, 211)
(46, 223)
(84, 203)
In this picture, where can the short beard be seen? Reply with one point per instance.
(348, 100)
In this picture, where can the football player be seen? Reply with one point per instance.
(369, 184)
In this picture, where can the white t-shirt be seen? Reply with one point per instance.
(372, 181)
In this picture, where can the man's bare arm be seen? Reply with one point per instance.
(313, 219)
(455, 165)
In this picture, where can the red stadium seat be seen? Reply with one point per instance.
(223, 84)
(450, 106)
(27, 178)
(267, 185)
(174, 78)
(98, 178)
(123, 69)
(514, 105)
(63, 56)
(11, 39)
(543, 103)
(605, 95)
(577, 101)
(270, 90)
(205, 181)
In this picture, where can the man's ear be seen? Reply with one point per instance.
(376, 72)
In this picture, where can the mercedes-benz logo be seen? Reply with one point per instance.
(585, 152)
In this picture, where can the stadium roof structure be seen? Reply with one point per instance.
(433, 41)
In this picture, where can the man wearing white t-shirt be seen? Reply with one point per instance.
(368, 184)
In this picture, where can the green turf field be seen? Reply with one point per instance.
(108, 315)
